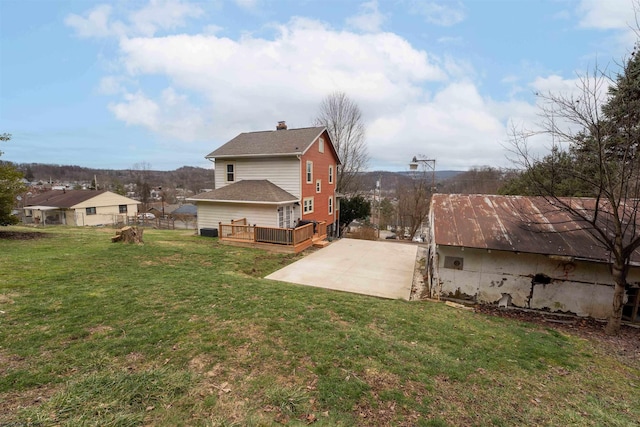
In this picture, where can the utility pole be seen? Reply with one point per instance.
(430, 165)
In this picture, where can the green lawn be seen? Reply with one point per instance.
(184, 331)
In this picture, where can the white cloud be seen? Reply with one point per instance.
(216, 87)
(156, 15)
(302, 64)
(457, 127)
(457, 41)
(162, 14)
(555, 84)
(370, 19)
(250, 5)
(110, 85)
(170, 115)
(137, 110)
(444, 14)
(606, 15)
(613, 15)
(95, 23)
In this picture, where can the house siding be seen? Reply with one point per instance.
(210, 214)
(321, 162)
(281, 171)
(107, 210)
(583, 288)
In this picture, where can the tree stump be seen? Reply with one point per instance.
(128, 235)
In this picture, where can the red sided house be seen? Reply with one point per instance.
(269, 183)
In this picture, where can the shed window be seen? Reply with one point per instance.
(453, 262)
(91, 211)
(122, 209)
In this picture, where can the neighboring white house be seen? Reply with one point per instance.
(79, 208)
(488, 248)
(273, 179)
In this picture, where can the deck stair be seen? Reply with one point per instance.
(319, 241)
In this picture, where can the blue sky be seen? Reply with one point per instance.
(165, 82)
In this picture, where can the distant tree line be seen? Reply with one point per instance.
(189, 178)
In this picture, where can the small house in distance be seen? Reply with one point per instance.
(275, 180)
(79, 208)
(522, 251)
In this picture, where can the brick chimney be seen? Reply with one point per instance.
(282, 125)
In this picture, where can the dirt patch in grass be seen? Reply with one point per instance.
(383, 406)
(171, 260)
(7, 298)
(13, 402)
(22, 235)
(10, 362)
(625, 346)
(99, 330)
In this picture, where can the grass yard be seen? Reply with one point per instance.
(184, 331)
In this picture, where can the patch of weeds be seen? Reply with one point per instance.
(266, 263)
(117, 398)
(435, 422)
(340, 390)
(288, 400)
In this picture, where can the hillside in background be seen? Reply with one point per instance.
(389, 181)
(187, 177)
(484, 180)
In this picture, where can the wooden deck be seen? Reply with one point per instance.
(281, 240)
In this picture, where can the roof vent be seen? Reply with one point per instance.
(282, 125)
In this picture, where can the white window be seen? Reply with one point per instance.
(318, 185)
(330, 174)
(321, 145)
(309, 172)
(330, 205)
(307, 205)
(231, 172)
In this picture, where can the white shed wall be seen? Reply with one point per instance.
(583, 288)
(281, 171)
(210, 214)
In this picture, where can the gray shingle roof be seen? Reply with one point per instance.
(269, 143)
(252, 191)
(186, 209)
(62, 199)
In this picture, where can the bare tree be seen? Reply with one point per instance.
(143, 188)
(478, 180)
(343, 119)
(413, 200)
(595, 150)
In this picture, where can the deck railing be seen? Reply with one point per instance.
(321, 230)
(272, 235)
(238, 232)
(303, 233)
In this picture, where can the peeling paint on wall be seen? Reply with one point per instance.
(532, 281)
